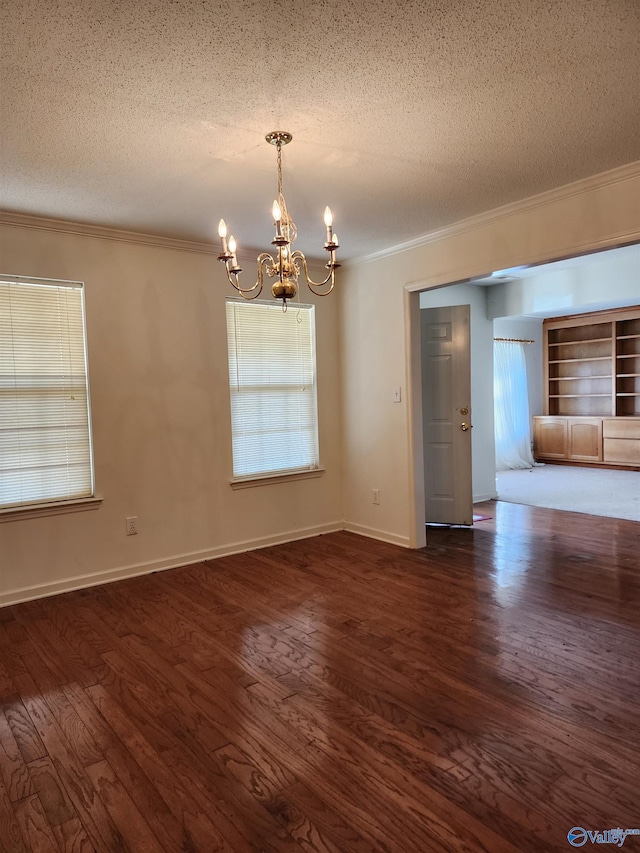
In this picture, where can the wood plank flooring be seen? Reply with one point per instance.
(335, 694)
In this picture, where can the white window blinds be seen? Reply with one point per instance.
(272, 378)
(45, 442)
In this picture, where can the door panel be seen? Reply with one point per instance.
(446, 392)
(585, 440)
(550, 437)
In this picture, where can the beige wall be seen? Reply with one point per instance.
(381, 447)
(158, 371)
(161, 425)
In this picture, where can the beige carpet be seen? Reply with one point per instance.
(596, 491)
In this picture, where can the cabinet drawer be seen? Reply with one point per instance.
(624, 451)
(621, 428)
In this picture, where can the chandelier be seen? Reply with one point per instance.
(284, 264)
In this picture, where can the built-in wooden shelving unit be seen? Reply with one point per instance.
(592, 364)
(628, 366)
(592, 379)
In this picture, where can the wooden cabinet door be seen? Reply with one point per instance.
(550, 438)
(585, 439)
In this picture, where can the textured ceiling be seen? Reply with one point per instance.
(406, 115)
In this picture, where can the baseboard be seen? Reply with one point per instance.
(490, 496)
(374, 533)
(96, 579)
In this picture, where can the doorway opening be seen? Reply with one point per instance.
(514, 303)
(572, 376)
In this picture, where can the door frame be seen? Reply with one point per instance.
(413, 369)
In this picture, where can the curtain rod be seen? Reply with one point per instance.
(515, 340)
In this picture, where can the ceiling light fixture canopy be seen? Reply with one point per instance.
(287, 265)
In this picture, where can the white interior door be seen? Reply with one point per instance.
(446, 403)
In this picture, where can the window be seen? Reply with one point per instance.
(272, 379)
(45, 440)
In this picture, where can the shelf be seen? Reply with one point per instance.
(593, 358)
(599, 376)
(623, 394)
(626, 355)
(627, 375)
(585, 341)
(568, 396)
(627, 337)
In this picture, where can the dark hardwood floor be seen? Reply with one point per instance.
(335, 694)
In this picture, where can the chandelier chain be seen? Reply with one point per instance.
(279, 148)
(288, 225)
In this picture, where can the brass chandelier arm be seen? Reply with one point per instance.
(243, 291)
(311, 284)
(255, 291)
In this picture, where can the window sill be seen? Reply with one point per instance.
(16, 513)
(270, 479)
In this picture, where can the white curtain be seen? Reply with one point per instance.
(511, 404)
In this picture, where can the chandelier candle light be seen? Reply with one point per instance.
(286, 265)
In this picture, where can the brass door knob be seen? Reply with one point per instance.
(464, 426)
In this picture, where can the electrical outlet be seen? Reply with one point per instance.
(397, 394)
(132, 525)
(376, 496)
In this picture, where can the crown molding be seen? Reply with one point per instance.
(627, 172)
(246, 256)
(604, 179)
(81, 229)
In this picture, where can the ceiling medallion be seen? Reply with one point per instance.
(287, 265)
